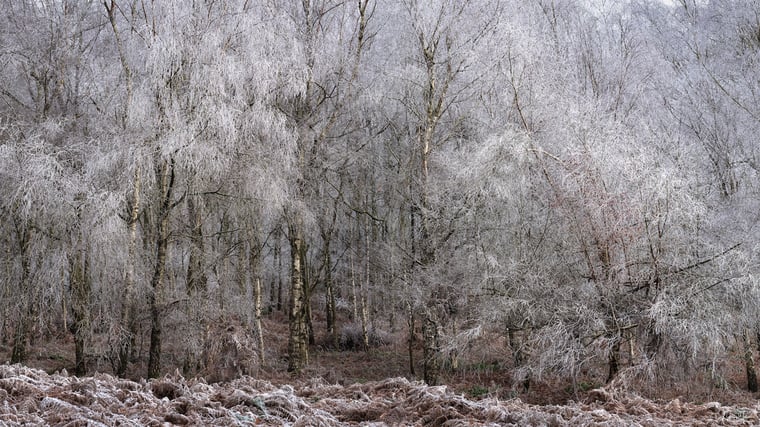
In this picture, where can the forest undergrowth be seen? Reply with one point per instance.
(350, 387)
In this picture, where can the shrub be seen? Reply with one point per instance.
(351, 337)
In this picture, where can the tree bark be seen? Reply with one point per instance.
(431, 350)
(127, 338)
(81, 291)
(165, 170)
(614, 362)
(257, 319)
(749, 364)
(21, 332)
(196, 276)
(411, 340)
(298, 352)
(330, 314)
(363, 291)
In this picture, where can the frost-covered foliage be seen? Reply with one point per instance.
(579, 178)
(33, 397)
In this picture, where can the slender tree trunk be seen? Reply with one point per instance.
(196, 276)
(298, 352)
(258, 330)
(307, 287)
(749, 363)
(411, 340)
(127, 338)
(275, 283)
(354, 298)
(166, 173)
(81, 291)
(326, 275)
(253, 267)
(330, 315)
(21, 331)
(363, 292)
(278, 250)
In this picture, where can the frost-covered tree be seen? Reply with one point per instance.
(330, 40)
(438, 67)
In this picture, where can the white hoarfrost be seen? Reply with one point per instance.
(32, 397)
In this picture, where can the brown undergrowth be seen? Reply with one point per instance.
(33, 397)
(372, 387)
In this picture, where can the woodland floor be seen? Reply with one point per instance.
(351, 388)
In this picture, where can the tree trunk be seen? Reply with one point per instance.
(275, 284)
(410, 341)
(81, 291)
(307, 289)
(431, 350)
(332, 330)
(326, 269)
(20, 339)
(298, 352)
(749, 364)
(354, 299)
(166, 173)
(21, 332)
(278, 252)
(257, 319)
(363, 292)
(614, 364)
(196, 276)
(127, 338)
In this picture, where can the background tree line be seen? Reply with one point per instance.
(578, 177)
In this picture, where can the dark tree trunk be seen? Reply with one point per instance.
(749, 364)
(332, 329)
(614, 363)
(196, 276)
(166, 174)
(81, 291)
(431, 350)
(21, 332)
(20, 340)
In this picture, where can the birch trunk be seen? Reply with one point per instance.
(298, 352)
(257, 319)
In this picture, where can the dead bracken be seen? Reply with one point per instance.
(33, 397)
